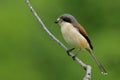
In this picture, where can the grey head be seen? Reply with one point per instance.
(66, 18)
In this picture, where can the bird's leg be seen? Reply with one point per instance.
(76, 55)
(69, 50)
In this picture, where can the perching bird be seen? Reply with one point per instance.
(76, 36)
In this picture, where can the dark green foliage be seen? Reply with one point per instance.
(28, 53)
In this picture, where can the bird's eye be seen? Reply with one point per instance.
(67, 20)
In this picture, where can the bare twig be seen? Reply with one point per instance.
(85, 67)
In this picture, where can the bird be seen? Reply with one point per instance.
(76, 36)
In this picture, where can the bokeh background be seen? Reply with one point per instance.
(28, 53)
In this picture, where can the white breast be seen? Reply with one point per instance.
(72, 36)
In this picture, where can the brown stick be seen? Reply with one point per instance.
(85, 67)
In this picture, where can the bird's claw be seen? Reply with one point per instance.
(73, 57)
(68, 51)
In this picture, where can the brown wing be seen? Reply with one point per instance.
(84, 33)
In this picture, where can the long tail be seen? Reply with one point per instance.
(102, 69)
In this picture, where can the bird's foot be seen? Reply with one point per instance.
(68, 51)
(73, 57)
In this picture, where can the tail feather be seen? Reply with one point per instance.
(102, 69)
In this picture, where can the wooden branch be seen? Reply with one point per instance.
(85, 67)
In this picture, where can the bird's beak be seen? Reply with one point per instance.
(58, 20)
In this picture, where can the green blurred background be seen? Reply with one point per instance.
(28, 53)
